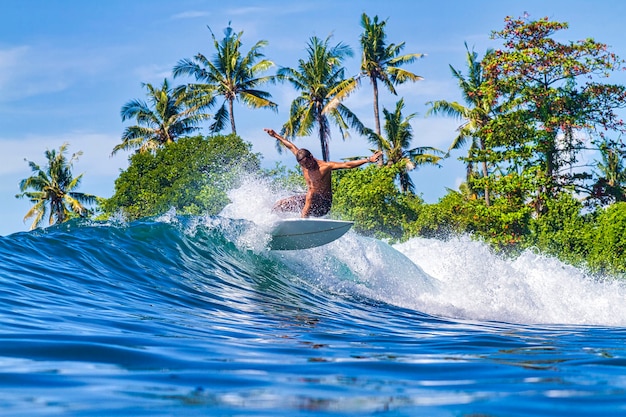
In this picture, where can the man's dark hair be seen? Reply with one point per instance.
(302, 153)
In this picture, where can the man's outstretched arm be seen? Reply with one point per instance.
(293, 148)
(356, 162)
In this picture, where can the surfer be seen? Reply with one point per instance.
(317, 174)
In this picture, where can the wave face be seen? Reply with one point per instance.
(195, 316)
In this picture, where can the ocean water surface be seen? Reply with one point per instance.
(194, 316)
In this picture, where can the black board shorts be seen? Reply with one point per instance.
(320, 205)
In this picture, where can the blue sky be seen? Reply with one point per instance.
(67, 67)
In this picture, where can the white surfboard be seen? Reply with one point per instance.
(293, 234)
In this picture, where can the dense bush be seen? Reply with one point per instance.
(194, 174)
(191, 176)
(608, 251)
(371, 199)
(563, 231)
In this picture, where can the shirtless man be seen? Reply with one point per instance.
(317, 175)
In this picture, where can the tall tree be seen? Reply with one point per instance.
(192, 175)
(475, 115)
(169, 114)
(610, 186)
(554, 85)
(382, 62)
(321, 81)
(232, 75)
(396, 146)
(52, 190)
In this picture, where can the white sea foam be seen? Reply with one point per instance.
(475, 283)
(253, 201)
(459, 278)
(362, 266)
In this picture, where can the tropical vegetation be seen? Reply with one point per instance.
(382, 62)
(230, 74)
(323, 87)
(532, 110)
(475, 115)
(395, 146)
(191, 176)
(169, 114)
(52, 190)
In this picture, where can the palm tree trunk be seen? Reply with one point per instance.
(57, 207)
(322, 123)
(376, 112)
(325, 155)
(232, 115)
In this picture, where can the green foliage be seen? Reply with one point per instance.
(370, 198)
(610, 185)
(395, 146)
(321, 81)
(52, 190)
(552, 87)
(170, 114)
(286, 179)
(442, 219)
(191, 175)
(501, 224)
(479, 110)
(231, 74)
(562, 231)
(608, 252)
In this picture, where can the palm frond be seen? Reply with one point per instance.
(446, 108)
(220, 119)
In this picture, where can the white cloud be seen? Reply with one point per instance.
(247, 11)
(24, 73)
(285, 9)
(31, 70)
(10, 60)
(154, 74)
(191, 14)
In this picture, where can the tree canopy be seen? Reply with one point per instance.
(169, 114)
(191, 176)
(52, 190)
(323, 87)
(231, 74)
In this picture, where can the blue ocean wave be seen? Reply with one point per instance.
(195, 316)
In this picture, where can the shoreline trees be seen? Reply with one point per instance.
(321, 81)
(475, 115)
(395, 146)
(230, 74)
(554, 96)
(52, 190)
(382, 62)
(532, 108)
(170, 114)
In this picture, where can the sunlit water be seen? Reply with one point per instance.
(194, 316)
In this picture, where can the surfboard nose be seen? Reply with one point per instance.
(296, 234)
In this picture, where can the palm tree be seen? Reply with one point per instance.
(52, 190)
(477, 114)
(611, 184)
(395, 146)
(322, 85)
(382, 62)
(231, 75)
(170, 114)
